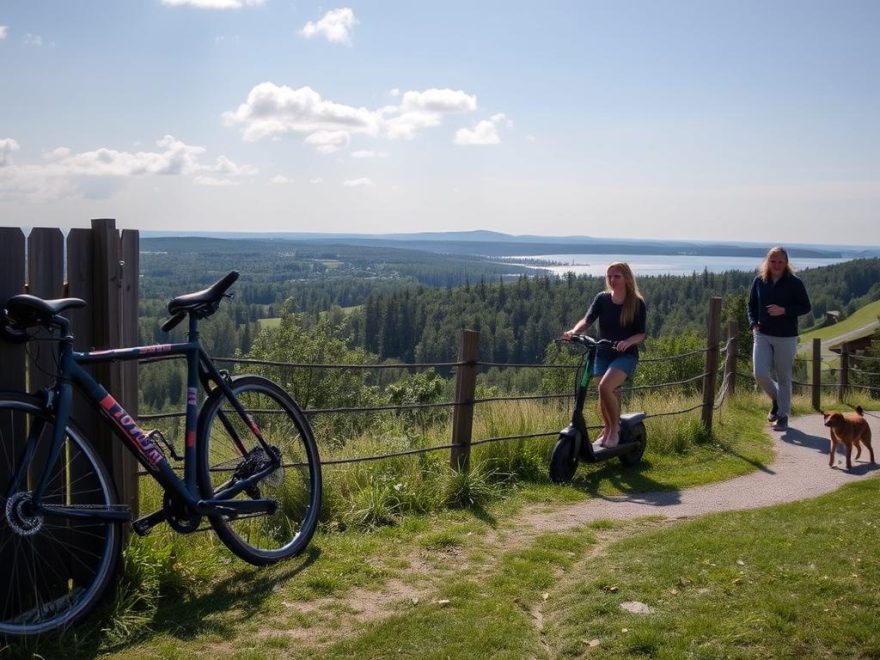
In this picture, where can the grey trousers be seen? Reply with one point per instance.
(774, 356)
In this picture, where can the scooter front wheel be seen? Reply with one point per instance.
(563, 460)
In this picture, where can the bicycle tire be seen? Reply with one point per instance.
(296, 486)
(54, 569)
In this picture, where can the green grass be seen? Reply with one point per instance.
(861, 317)
(197, 600)
(797, 580)
(786, 581)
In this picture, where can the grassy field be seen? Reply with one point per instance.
(469, 582)
(864, 316)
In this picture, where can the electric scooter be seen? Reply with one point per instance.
(574, 443)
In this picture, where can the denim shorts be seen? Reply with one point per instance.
(625, 362)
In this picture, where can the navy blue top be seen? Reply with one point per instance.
(608, 313)
(788, 292)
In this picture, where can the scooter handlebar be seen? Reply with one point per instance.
(586, 340)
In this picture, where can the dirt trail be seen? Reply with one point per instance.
(799, 471)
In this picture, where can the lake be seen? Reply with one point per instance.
(657, 264)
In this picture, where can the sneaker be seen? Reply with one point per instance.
(772, 416)
(781, 424)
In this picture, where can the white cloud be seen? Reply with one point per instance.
(328, 142)
(484, 133)
(7, 146)
(439, 100)
(363, 182)
(271, 111)
(279, 179)
(420, 110)
(34, 40)
(317, 180)
(213, 4)
(65, 173)
(335, 26)
(4, 30)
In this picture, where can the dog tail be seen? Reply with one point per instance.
(860, 411)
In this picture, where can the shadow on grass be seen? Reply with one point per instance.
(242, 593)
(239, 597)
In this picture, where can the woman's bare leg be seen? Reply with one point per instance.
(608, 386)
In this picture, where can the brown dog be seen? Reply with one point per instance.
(850, 429)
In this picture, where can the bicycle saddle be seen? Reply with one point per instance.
(25, 310)
(202, 303)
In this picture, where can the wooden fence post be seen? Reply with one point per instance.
(713, 334)
(844, 372)
(109, 307)
(12, 279)
(13, 359)
(465, 386)
(730, 358)
(817, 374)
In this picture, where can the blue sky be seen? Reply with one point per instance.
(705, 120)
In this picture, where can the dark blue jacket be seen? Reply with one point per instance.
(788, 292)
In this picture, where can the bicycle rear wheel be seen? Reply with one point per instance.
(229, 451)
(53, 568)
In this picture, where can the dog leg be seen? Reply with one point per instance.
(848, 456)
(858, 448)
(832, 450)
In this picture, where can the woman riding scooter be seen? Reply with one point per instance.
(621, 313)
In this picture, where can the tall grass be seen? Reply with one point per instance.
(367, 496)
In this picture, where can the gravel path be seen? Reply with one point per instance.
(800, 471)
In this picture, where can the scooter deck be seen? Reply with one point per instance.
(608, 452)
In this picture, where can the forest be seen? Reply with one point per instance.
(373, 304)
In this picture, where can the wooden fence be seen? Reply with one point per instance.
(100, 265)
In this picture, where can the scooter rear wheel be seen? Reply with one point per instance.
(563, 460)
(638, 436)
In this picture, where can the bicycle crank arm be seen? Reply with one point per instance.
(143, 526)
(236, 507)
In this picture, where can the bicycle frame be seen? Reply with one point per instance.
(200, 369)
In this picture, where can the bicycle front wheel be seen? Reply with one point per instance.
(53, 568)
(229, 452)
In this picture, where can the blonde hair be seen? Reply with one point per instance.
(764, 270)
(633, 295)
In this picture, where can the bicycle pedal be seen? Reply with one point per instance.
(157, 436)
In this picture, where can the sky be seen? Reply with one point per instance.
(727, 120)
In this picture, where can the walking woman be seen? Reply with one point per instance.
(776, 299)
(621, 313)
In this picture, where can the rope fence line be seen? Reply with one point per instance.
(473, 364)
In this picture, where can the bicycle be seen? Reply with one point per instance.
(250, 465)
(573, 444)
